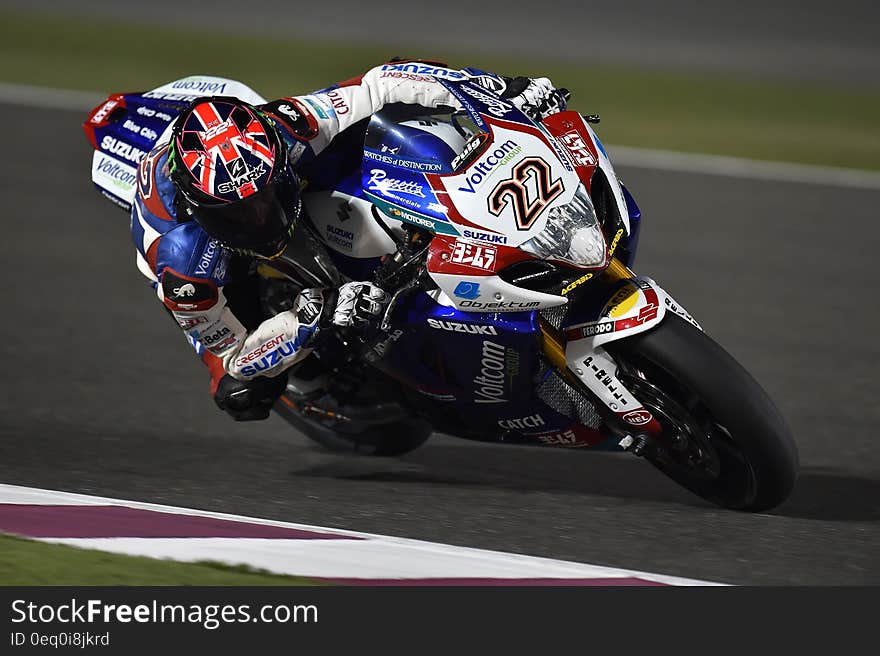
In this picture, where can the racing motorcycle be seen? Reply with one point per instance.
(507, 245)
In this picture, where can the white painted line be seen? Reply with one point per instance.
(46, 98)
(373, 557)
(660, 160)
(737, 167)
(376, 558)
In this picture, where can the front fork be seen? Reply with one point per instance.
(584, 363)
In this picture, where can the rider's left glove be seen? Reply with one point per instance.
(249, 400)
(537, 98)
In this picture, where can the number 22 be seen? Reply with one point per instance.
(513, 191)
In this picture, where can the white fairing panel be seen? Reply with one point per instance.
(346, 224)
(635, 307)
(492, 294)
(115, 176)
(470, 190)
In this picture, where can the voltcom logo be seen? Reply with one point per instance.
(490, 381)
(206, 87)
(502, 154)
(116, 171)
(206, 258)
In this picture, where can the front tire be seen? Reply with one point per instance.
(723, 438)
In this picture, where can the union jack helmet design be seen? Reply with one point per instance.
(229, 163)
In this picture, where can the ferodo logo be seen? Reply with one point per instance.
(637, 417)
(599, 328)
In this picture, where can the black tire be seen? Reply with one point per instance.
(748, 458)
(388, 440)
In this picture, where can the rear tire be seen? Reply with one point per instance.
(734, 448)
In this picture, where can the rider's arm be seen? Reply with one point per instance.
(194, 277)
(319, 116)
(193, 273)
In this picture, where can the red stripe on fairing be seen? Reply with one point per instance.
(445, 244)
(624, 581)
(647, 312)
(50, 521)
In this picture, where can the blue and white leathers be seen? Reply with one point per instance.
(190, 270)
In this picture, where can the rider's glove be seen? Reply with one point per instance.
(249, 400)
(359, 304)
(537, 98)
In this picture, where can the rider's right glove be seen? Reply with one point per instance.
(249, 400)
(537, 98)
(359, 304)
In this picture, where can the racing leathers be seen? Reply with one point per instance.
(209, 289)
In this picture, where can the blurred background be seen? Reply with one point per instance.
(103, 395)
(778, 80)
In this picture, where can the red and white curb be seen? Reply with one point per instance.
(345, 557)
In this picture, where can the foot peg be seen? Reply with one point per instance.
(641, 445)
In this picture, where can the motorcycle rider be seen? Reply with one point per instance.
(224, 194)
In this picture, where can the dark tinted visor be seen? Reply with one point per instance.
(260, 223)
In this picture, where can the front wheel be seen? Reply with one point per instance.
(723, 438)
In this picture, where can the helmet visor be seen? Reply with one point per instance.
(261, 223)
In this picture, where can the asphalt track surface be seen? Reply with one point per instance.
(102, 395)
(778, 39)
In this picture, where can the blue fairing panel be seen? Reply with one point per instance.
(635, 224)
(483, 368)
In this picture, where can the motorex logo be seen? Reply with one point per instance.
(467, 289)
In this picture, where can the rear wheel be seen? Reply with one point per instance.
(723, 438)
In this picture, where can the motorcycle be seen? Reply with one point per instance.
(507, 245)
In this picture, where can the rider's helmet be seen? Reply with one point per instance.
(229, 162)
